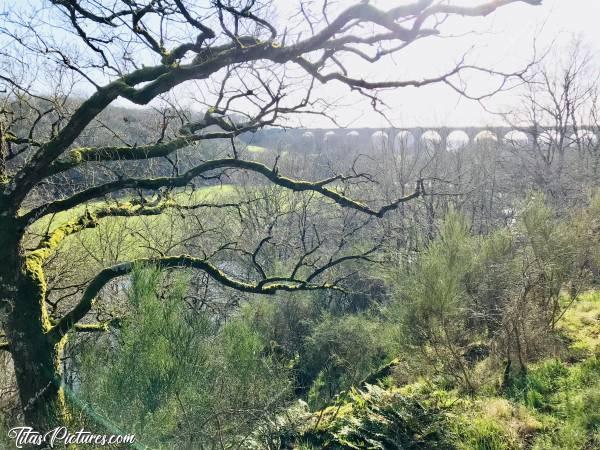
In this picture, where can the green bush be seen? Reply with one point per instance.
(339, 353)
(587, 372)
(174, 378)
(284, 322)
(567, 437)
(535, 387)
(591, 408)
(484, 434)
(432, 308)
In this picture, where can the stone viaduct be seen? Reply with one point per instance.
(449, 138)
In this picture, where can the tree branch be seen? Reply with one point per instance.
(161, 78)
(271, 174)
(99, 327)
(267, 286)
(160, 149)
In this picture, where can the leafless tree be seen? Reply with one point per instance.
(233, 55)
(559, 107)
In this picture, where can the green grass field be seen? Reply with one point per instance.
(206, 194)
(125, 238)
(257, 149)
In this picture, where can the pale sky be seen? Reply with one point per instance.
(503, 40)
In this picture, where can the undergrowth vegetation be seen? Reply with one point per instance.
(495, 340)
(482, 342)
(554, 405)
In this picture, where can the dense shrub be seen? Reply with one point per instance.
(178, 379)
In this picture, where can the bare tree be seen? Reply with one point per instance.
(232, 56)
(559, 107)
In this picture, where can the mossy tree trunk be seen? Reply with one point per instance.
(37, 369)
(36, 353)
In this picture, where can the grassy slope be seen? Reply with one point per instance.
(209, 194)
(204, 194)
(555, 406)
(257, 149)
(124, 238)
